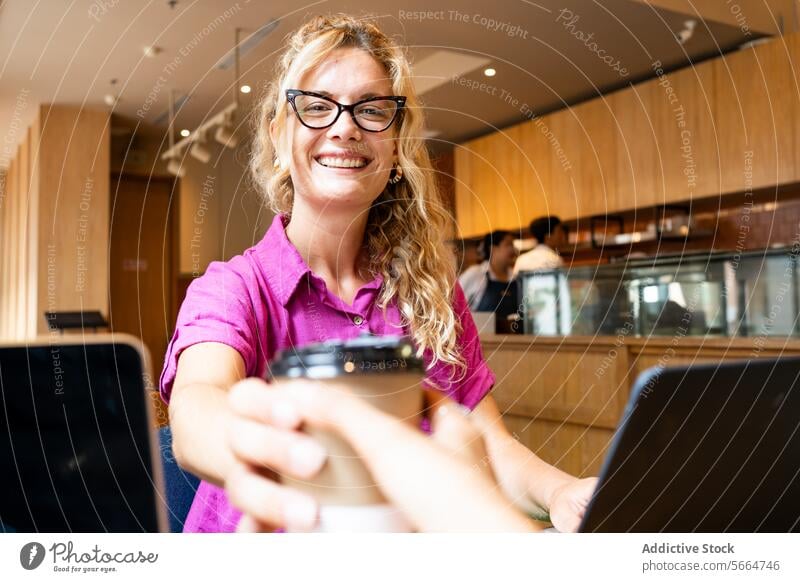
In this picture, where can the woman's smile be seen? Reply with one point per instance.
(342, 161)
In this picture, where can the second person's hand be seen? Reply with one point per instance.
(441, 483)
(264, 438)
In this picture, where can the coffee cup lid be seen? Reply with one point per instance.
(366, 354)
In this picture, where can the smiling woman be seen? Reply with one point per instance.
(357, 247)
(335, 159)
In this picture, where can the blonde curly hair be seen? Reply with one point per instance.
(407, 222)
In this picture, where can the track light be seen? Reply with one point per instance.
(199, 151)
(688, 30)
(225, 136)
(176, 168)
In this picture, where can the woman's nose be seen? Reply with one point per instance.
(345, 128)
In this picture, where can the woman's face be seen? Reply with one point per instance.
(347, 76)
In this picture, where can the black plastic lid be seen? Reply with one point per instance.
(364, 355)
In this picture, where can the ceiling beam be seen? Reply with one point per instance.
(770, 17)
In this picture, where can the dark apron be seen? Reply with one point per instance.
(499, 297)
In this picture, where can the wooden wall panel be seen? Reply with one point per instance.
(688, 138)
(793, 46)
(4, 275)
(55, 220)
(754, 106)
(32, 260)
(598, 157)
(534, 171)
(679, 137)
(639, 179)
(512, 206)
(462, 184)
(21, 250)
(12, 249)
(564, 383)
(74, 210)
(578, 450)
(561, 129)
(563, 397)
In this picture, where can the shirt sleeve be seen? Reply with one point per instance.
(470, 386)
(217, 308)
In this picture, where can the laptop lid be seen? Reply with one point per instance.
(706, 448)
(78, 447)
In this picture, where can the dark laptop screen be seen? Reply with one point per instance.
(74, 440)
(706, 448)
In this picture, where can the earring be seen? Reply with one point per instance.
(396, 175)
(276, 164)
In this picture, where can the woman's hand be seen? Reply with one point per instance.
(263, 436)
(441, 483)
(569, 503)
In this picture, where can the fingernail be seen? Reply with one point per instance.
(300, 513)
(285, 414)
(306, 458)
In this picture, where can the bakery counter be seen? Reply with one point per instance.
(563, 396)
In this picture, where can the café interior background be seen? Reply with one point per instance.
(655, 129)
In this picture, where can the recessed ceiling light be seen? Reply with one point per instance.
(245, 88)
(490, 72)
(151, 51)
(185, 133)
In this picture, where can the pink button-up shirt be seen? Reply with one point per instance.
(268, 299)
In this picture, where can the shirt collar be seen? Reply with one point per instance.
(283, 265)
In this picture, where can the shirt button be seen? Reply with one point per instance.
(358, 320)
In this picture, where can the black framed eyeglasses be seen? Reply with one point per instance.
(317, 111)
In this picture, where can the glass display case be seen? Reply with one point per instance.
(724, 294)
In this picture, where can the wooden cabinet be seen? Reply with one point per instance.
(582, 159)
(597, 173)
(560, 129)
(477, 187)
(639, 172)
(793, 46)
(563, 396)
(688, 143)
(502, 180)
(533, 170)
(725, 125)
(756, 114)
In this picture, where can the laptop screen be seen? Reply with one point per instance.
(705, 448)
(75, 440)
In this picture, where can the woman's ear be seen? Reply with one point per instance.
(273, 133)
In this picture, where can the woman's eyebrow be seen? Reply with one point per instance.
(367, 95)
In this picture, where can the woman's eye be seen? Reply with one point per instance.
(319, 107)
(373, 112)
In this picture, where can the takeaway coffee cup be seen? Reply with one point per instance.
(383, 371)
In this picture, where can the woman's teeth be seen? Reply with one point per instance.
(335, 162)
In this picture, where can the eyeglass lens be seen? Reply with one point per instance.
(318, 112)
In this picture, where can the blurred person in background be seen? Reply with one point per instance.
(488, 285)
(549, 235)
